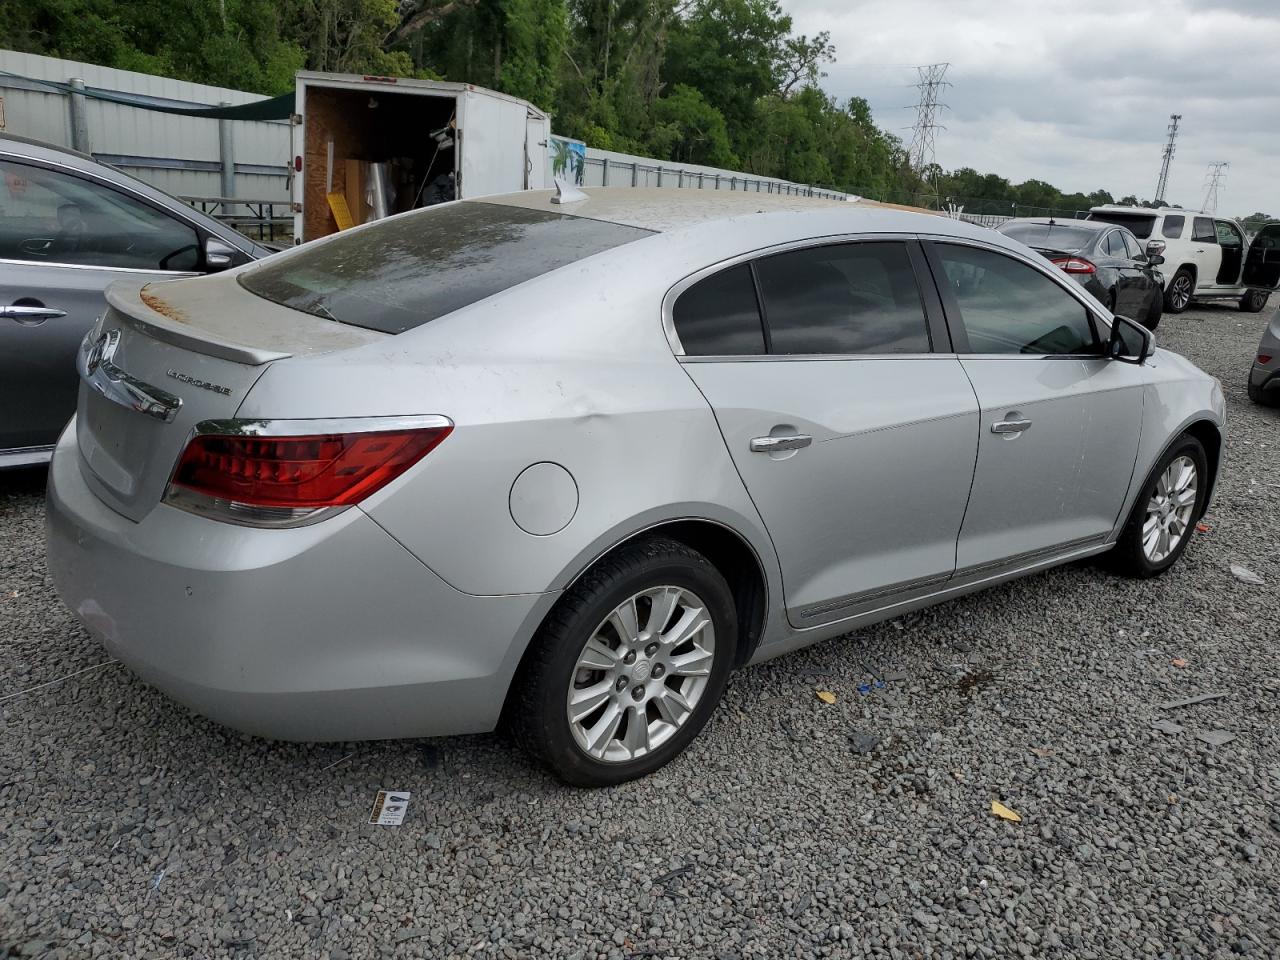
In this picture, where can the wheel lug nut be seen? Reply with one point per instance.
(630, 657)
(650, 650)
(658, 670)
(621, 684)
(637, 692)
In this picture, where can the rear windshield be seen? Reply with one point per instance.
(1051, 236)
(1139, 223)
(400, 274)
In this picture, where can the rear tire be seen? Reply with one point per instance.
(1177, 295)
(585, 689)
(1255, 301)
(1155, 310)
(1165, 513)
(1266, 398)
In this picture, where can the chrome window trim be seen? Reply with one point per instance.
(88, 266)
(683, 284)
(786, 357)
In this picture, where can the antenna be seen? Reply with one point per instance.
(924, 131)
(1213, 184)
(1163, 183)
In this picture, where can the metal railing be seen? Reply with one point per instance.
(621, 173)
(258, 218)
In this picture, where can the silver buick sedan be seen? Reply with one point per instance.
(566, 465)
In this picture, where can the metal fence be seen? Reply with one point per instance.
(269, 221)
(608, 172)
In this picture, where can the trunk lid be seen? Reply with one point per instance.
(167, 356)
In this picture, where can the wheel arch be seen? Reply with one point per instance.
(1210, 437)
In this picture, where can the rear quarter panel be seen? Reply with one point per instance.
(572, 368)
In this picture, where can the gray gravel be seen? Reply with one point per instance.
(130, 828)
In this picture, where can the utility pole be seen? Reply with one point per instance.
(1213, 184)
(1163, 183)
(922, 151)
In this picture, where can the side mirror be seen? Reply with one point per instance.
(1155, 259)
(1130, 342)
(218, 255)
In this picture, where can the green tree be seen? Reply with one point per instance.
(688, 129)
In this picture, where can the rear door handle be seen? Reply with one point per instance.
(774, 444)
(30, 314)
(1010, 426)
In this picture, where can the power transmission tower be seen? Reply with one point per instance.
(922, 151)
(1163, 183)
(1213, 184)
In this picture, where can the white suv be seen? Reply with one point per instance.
(1204, 255)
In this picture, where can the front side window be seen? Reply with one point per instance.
(47, 216)
(1228, 235)
(400, 273)
(1172, 227)
(849, 298)
(1131, 248)
(719, 316)
(1008, 307)
(1202, 230)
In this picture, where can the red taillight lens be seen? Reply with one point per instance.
(1264, 358)
(1074, 264)
(301, 472)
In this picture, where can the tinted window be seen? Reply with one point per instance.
(842, 299)
(719, 316)
(1115, 244)
(1140, 224)
(1050, 236)
(1202, 230)
(1131, 248)
(406, 271)
(1007, 307)
(1173, 227)
(51, 217)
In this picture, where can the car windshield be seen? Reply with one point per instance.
(406, 271)
(1140, 224)
(1050, 236)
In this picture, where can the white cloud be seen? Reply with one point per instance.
(1079, 93)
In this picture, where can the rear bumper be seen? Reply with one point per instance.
(327, 632)
(1264, 378)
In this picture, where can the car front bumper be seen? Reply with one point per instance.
(327, 632)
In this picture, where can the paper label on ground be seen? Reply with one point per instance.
(389, 807)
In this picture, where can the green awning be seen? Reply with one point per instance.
(275, 108)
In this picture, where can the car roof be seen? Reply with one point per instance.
(666, 210)
(1151, 211)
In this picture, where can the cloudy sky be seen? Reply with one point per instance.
(1076, 92)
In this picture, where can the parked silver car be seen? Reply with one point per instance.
(68, 227)
(1264, 375)
(569, 464)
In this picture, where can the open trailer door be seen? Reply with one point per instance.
(1262, 261)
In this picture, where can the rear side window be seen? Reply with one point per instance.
(1173, 227)
(719, 316)
(1009, 308)
(1202, 230)
(1115, 244)
(843, 299)
(412, 269)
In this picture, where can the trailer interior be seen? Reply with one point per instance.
(413, 135)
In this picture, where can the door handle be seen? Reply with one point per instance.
(775, 444)
(29, 314)
(1010, 426)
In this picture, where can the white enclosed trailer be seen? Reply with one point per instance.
(367, 146)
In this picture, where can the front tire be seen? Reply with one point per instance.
(628, 667)
(1177, 296)
(1255, 301)
(1165, 513)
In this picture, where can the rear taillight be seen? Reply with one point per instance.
(1264, 358)
(287, 473)
(1074, 264)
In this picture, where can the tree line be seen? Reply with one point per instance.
(726, 83)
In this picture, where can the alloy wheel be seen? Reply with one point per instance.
(641, 674)
(1169, 510)
(1181, 291)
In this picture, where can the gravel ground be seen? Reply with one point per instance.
(131, 828)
